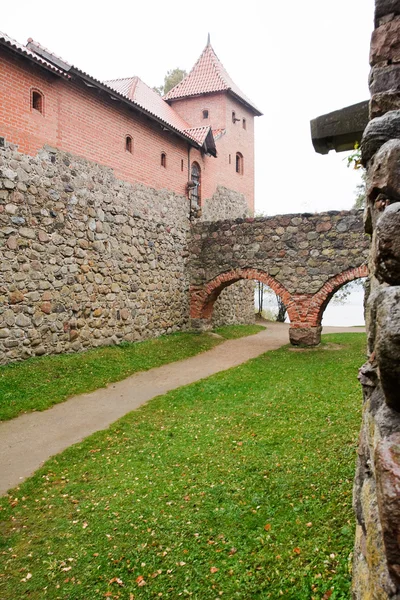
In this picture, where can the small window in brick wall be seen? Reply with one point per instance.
(244, 124)
(163, 160)
(205, 114)
(37, 101)
(129, 144)
(239, 163)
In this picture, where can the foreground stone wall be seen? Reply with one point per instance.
(376, 572)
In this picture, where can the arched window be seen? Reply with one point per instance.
(37, 101)
(163, 160)
(129, 144)
(239, 163)
(196, 179)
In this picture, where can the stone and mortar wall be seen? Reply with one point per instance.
(376, 572)
(87, 259)
(236, 303)
(300, 251)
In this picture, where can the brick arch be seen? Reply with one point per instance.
(203, 299)
(320, 300)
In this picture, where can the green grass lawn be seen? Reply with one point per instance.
(237, 486)
(38, 383)
(233, 332)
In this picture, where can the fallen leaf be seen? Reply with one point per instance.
(327, 595)
(309, 525)
(232, 551)
(84, 525)
(267, 527)
(140, 581)
(213, 570)
(296, 550)
(116, 580)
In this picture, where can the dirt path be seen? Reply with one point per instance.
(27, 441)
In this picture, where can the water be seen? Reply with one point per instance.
(348, 314)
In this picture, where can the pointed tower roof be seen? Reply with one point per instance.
(208, 76)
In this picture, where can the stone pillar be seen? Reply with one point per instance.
(305, 336)
(376, 570)
(200, 324)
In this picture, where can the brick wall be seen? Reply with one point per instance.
(235, 139)
(82, 121)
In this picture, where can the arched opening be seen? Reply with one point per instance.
(203, 300)
(195, 176)
(321, 299)
(128, 144)
(163, 160)
(37, 101)
(239, 163)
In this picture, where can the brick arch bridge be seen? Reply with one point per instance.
(303, 258)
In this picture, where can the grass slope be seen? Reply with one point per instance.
(38, 383)
(238, 486)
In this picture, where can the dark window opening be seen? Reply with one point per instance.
(182, 164)
(2, 142)
(239, 163)
(196, 180)
(233, 117)
(244, 124)
(230, 159)
(128, 144)
(205, 114)
(163, 160)
(37, 101)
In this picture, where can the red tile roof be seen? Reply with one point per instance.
(208, 76)
(141, 94)
(6, 40)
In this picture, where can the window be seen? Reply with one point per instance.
(37, 101)
(230, 159)
(195, 177)
(234, 117)
(205, 114)
(128, 144)
(244, 124)
(239, 163)
(182, 164)
(163, 160)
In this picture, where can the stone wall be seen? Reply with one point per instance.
(304, 258)
(236, 303)
(86, 259)
(376, 572)
(89, 260)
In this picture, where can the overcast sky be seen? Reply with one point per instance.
(296, 60)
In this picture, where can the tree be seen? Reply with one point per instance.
(171, 79)
(354, 161)
(264, 289)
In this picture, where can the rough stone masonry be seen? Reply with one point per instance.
(89, 260)
(376, 572)
(304, 258)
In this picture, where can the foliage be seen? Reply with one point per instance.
(171, 79)
(38, 383)
(236, 486)
(342, 295)
(354, 162)
(233, 332)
